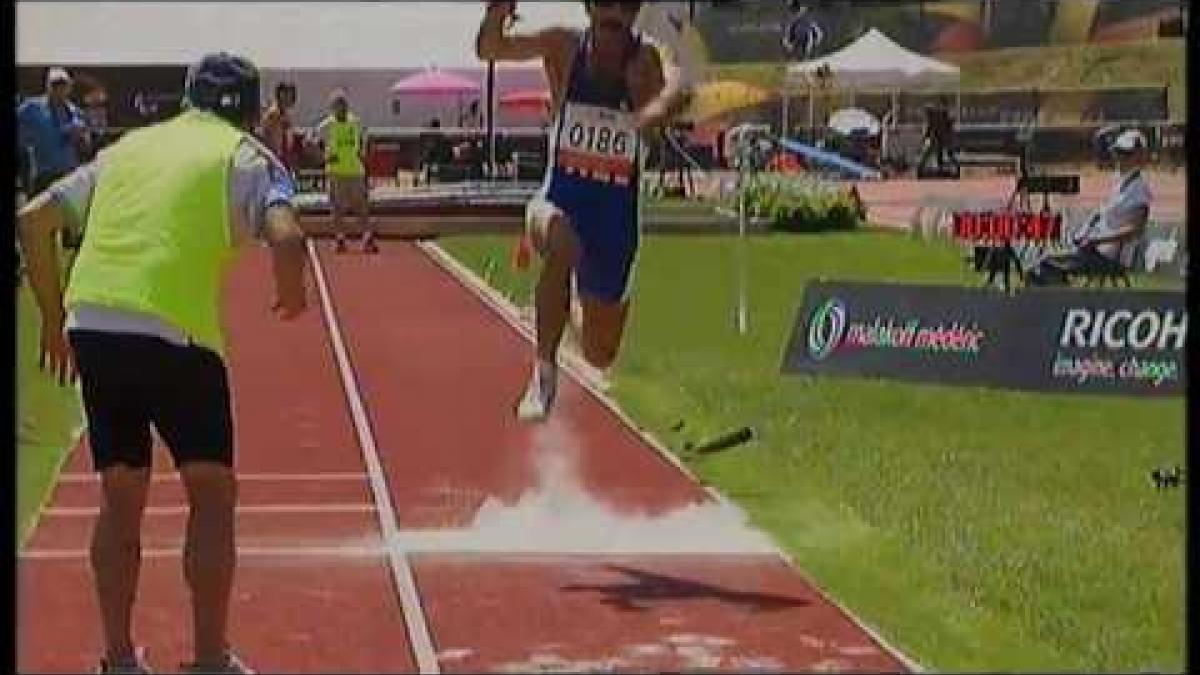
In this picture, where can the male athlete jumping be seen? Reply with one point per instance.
(609, 85)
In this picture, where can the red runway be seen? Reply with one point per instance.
(370, 434)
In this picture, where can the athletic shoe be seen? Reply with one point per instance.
(232, 665)
(596, 377)
(136, 665)
(368, 243)
(340, 244)
(539, 396)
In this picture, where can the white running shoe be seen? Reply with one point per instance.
(596, 377)
(539, 396)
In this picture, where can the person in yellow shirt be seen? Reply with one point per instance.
(162, 212)
(345, 142)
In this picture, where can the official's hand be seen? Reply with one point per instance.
(56, 354)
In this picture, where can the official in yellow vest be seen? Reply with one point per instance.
(345, 142)
(162, 212)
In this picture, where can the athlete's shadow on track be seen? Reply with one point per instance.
(647, 588)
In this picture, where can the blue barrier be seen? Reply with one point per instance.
(846, 166)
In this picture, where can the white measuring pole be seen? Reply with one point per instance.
(742, 319)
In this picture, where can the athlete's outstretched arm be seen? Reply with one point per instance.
(659, 87)
(495, 43)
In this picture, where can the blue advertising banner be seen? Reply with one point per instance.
(1065, 340)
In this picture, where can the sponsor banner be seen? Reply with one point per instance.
(1065, 340)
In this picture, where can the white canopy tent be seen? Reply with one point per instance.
(875, 60)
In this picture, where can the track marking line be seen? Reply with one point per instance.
(462, 542)
(82, 477)
(254, 551)
(406, 585)
(573, 363)
(420, 548)
(281, 509)
(577, 370)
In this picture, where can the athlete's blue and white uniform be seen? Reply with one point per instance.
(593, 176)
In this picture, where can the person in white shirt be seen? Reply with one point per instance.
(1112, 233)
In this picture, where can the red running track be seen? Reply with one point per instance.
(394, 420)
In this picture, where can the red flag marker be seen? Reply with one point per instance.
(522, 252)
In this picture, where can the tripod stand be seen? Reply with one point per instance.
(674, 159)
(1000, 259)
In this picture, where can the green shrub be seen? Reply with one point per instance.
(797, 205)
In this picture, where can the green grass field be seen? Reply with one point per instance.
(48, 419)
(977, 529)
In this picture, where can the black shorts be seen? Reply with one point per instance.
(131, 381)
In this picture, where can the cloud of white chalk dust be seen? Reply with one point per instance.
(558, 515)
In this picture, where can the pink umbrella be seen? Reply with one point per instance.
(528, 100)
(434, 82)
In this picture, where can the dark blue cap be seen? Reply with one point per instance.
(225, 84)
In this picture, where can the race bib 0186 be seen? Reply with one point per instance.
(597, 142)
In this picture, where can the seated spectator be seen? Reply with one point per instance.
(1110, 238)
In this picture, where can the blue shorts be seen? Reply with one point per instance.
(605, 221)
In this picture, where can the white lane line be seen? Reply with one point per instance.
(280, 509)
(256, 551)
(573, 363)
(406, 585)
(419, 544)
(578, 370)
(81, 477)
